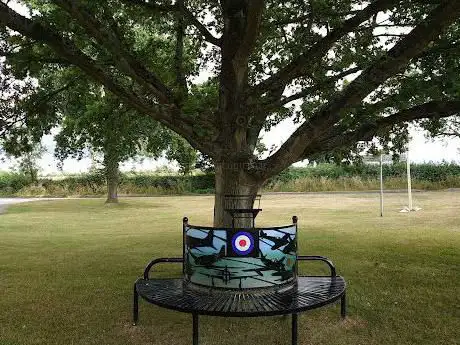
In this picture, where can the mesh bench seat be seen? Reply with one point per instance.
(308, 293)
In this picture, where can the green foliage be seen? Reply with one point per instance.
(180, 151)
(90, 119)
(324, 177)
(331, 177)
(426, 172)
(95, 184)
(29, 162)
(12, 183)
(88, 116)
(205, 163)
(148, 54)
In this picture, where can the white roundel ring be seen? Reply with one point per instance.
(242, 243)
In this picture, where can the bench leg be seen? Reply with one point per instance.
(294, 329)
(135, 306)
(195, 329)
(343, 306)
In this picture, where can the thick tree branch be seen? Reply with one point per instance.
(339, 138)
(242, 22)
(109, 39)
(241, 29)
(251, 31)
(261, 111)
(181, 81)
(168, 115)
(322, 123)
(303, 63)
(329, 82)
(453, 48)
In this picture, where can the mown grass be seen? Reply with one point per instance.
(67, 268)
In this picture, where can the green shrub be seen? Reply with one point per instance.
(423, 172)
(324, 177)
(11, 183)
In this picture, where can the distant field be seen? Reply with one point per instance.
(67, 269)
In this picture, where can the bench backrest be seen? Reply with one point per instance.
(240, 258)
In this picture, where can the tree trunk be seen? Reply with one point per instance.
(111, 174)
(232, 180)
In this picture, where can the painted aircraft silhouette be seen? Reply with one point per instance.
(225, 275)
(208, 260)
(278, 241)
(275, 265)
(269, 265)
(290, 248)
(194, 242)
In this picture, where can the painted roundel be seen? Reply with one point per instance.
(243, 243)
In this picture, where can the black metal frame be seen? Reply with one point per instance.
(243, 213)
(195, 327)
(157, 261)
(146, 276)
(195, 313)
(235, 228)
(343, 298)
(318, 258)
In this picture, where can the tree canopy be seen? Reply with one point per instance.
(358, 69)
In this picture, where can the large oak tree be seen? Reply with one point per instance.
(263, 55)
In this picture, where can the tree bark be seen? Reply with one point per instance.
(232, 179)
(111, 174)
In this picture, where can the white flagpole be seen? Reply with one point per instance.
(409, 184)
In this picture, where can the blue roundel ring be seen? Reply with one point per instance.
(242, 249)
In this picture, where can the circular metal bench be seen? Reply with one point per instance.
(212, 287)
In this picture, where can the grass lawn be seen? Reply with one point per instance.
(67, 269)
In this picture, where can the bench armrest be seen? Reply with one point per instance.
(299, 258)
(157, 261)
(318, 258)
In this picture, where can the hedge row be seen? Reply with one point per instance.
(423, 172)
(91, 184)
(293, 178)
(11, 183)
